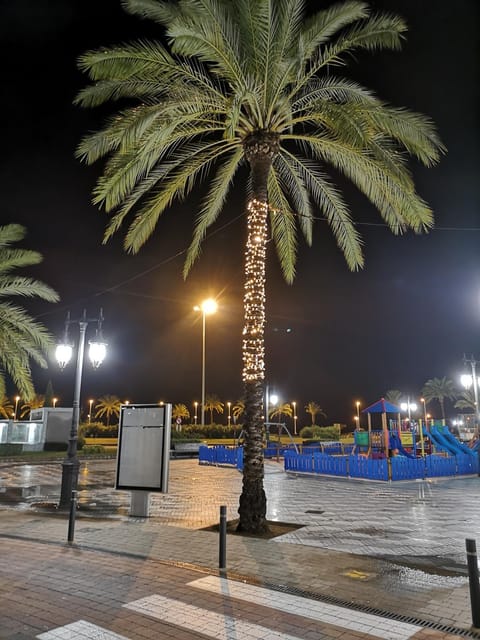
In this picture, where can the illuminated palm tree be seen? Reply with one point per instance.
(394, 396)
(466, 400)
(252, 83)
(22, 339)
(180, 411)
(108, 406)
(314, 409)
(6, 408)
(213, 403)
(238, 410)
(284, 409)
(37, 402)
(439, 389)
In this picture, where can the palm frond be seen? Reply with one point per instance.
(282, 223)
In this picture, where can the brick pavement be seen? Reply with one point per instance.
(119, 560)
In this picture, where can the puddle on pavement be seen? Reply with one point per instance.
(25, 494)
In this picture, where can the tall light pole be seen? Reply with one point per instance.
(424, 411)
(357, 403)
(207, 307)
(90, 403)
(64, 352)
(17, 398)
(229, 405)
(54, 400)
(472, 380)
(195, 417)
(294, 405)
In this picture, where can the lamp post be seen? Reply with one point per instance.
(357, 403)
(356, 421)
(409, 407)
(195, 417)
(424, 411)
(229, 405)
(17, 398)
(294, 405)
(90, 403)
(64, 352)
(207, 307)
(472, 380)
(54, 400)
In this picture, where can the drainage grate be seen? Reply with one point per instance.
(315, 512)
(428, 624)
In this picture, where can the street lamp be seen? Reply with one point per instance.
(90, 403)
(472, 380)
(229, 405)
(358, 413)
(424, 411)
(54, 400)
(17, 398)
(409, 407)
(64, 352)
(207, 307)
(195, 417)
(294, 405)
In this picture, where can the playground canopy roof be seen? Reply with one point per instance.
(382, 406)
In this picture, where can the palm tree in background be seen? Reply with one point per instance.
(22, 339)
(439, 389)
(6, 408)
(394, 396)
(314, 409)
(253, 84)
(213, 403)
(284, 409)
(180, 411)
(238, 410)
(108, 406)
(37, 402)
(466, 400)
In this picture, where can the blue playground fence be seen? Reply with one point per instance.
(352, 466)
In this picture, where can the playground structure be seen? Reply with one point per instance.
(400, 450)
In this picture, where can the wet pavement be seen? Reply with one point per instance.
(393, 548)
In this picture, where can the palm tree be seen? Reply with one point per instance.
(439, 389)
(37, 402)
(313, 409)
(6, 408)
(284, 409)
(240, 84)
(22, 339)
(394, 396)
(212, 403)
(466, 400)
(108, 406)
(238, 410)
(180, 411)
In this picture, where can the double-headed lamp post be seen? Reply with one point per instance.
(63, 353)
(207, 307)
(468, 381)
(294, 405)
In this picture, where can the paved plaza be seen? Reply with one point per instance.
(370, 560)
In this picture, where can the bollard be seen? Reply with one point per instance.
(472, 563)
(71, 519)
(222, 555)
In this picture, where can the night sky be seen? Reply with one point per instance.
(333, 337)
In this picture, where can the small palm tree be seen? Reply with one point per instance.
(238, 410)
(180, 411)
(439, 389)
(314, 409)
(108, 406)
(6, 408)
(394, 396)
(284, 409)
(22, 339)
(466, 400)
(37, 402)
(213, 403)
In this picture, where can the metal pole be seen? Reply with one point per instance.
(472, 564)
(202, 415)
(71, 519)
(71, 463)
(222, 554)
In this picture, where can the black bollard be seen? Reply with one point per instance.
(71, 519)
(222, 555)
(472, 564)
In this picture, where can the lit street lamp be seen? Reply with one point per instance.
(358, 413)
(472, 380)
(54, 400)
(294, 405)
(229, 405)
(17, 398)
(90, 403)
(207, 307)
(195, 417)
(409, 407)
(63, 353)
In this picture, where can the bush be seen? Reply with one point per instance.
(98, 430)
(93, 448)
(216, 431)
(10, 449)
(315, 432)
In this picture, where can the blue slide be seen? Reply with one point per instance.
(438, 441)
(461, 448)
(396, 443)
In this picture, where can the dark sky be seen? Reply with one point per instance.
(407, 317)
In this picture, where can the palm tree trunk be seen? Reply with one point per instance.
(260, 149)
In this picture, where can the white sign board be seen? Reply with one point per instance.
(143, 447)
